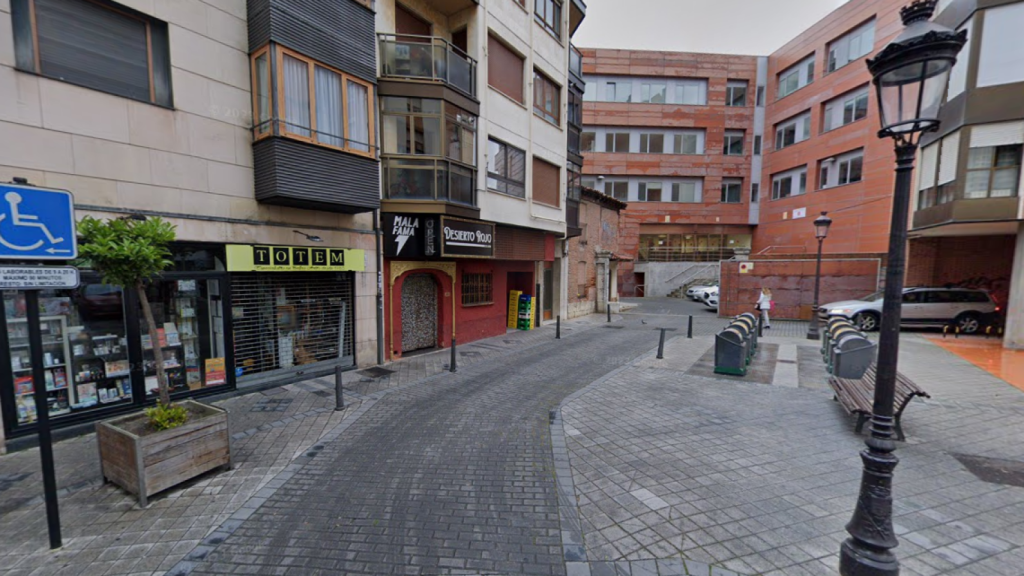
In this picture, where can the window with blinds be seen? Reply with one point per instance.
(94, 44)
(286, 321)
(505, 70)
(546, 188)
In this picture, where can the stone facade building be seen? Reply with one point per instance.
(590, 253)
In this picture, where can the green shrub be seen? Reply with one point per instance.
(165, 417)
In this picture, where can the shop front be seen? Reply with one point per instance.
(97, 352)
(452, 277)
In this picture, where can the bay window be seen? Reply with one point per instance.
(993, 172)
(311, 102)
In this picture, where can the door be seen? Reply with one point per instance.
(914, 309)
(419, 313)
(549, 291)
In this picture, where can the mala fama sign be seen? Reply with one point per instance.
(248, 258)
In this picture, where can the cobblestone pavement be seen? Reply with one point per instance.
(763, 478)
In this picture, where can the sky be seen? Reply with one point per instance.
(755, 27)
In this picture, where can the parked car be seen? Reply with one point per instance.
(699, 294)
(969, 310)
(711, 300)
(692, 291)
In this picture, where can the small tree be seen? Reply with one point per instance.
(129, 253)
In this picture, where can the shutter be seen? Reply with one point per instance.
(312, 312)
(948, 157)
(929, 160)
(504, 69)
(86, 44)
(546, 189)
(1002, 134)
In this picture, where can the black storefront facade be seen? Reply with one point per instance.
(226, 319)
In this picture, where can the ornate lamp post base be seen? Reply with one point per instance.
(868, 552)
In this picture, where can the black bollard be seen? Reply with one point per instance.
(339, 398)
(608, 308)
(661, 345)
(689, 327)
(760, 326)
(558, 327)
(453, 368)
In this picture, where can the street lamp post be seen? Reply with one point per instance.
(910, 76)
(821, 224)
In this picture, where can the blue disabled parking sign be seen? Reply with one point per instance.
(36, 223)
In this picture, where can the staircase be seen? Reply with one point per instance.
(698, 275)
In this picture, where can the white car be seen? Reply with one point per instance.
(711, 301)
(701, 294)
(691, 292)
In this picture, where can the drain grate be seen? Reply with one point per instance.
(994, 470)
(271, 405)
(376, 372)
(615, 327)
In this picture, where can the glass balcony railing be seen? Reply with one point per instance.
(427, 58)
(417, 178)
(575, 62)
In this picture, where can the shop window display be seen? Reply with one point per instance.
(190, 330)
(85, 353)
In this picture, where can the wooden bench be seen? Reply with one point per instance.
(858, 397)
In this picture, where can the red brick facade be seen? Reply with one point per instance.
(970, 262)
(600, 219)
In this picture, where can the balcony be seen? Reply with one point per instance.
(430, 185)
(576, 65)
(962, 210)
(427, 59)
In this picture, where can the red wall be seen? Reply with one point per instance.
(984, 262)
(471, 322)
(792, 284)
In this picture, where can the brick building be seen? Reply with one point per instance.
(593, 252)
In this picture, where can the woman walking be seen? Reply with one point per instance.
(764, 304)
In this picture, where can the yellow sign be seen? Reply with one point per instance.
(248, 258)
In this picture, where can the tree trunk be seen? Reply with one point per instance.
(158, 352)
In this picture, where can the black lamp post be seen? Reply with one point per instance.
(821, 224)
(910, 75)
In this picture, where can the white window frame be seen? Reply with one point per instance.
(699, 88)
(729, 137)
(646, 89)
(794, 178)
(676, 191)
(834, 115)
(644, 186)
(850, 47)
(614, 134)
(645, 142)
(610, 185)
(801, 126)
(730, 86)
(804, 75)
(732, 182)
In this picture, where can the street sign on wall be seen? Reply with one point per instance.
(38, 277)
(36, 223)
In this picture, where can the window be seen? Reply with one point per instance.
(760, 95)
(460, 131)
(736, 93)
(616, 142)
(574, 109)
(823, 173)
(687, 192)
(505, 70)
(548, 14)
(506, 169)
(926, 199)
(958, 75)
(546, 98)
(314, 102)
(790, 183)
(850, 169)
(547, 187)
(689, 143)
(1001, 54)
(757, 144)
(732, 191)
(477, 289)
(692, 92)
(755, 192)
(618, 91)
(852, 46)
(792, 131)
(412, 126)
(845, 109)
(993, 172)
(652, 143)
(590, 92)
(117, 51)
(617, 190)
(733, 144)
(796, 77)
(844, 169)
(652, 93)
(649, 191)
(588, 141)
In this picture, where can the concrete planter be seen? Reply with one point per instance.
(147, 464)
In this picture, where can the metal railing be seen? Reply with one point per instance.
(575, 62)
(774, 249)
(683, 254)
(417, 178)
(696, 272)
(427, 58)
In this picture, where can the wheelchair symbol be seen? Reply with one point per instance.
(26, 221)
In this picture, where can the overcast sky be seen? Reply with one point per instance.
(756, 27)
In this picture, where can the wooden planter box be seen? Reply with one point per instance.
(146, 465)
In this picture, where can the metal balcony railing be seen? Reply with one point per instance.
(418, 178)
(427, 58)
(682, 254)
(575, 62)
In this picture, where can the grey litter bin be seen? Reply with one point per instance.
(853, 354)
(750, 322)
(731, 352)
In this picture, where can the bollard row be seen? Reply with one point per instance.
(735, 345)
(847, 352)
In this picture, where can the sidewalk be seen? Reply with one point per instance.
(670, 461)
(104, 530)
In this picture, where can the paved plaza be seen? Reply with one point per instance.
(585, 455)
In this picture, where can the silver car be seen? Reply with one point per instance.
(963, 308)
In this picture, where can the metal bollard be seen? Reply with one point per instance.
(661, 345)
(558, 327)
(339, 397)
(760, 326)
(453, 368)
(945, 329)
(956, 332)
(988, 331)
(689, 327)
(608, 308)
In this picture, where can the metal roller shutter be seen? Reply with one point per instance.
(288, 322)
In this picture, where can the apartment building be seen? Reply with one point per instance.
(479, 186)
(967, 227)
(253, 130)
(675, 135)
